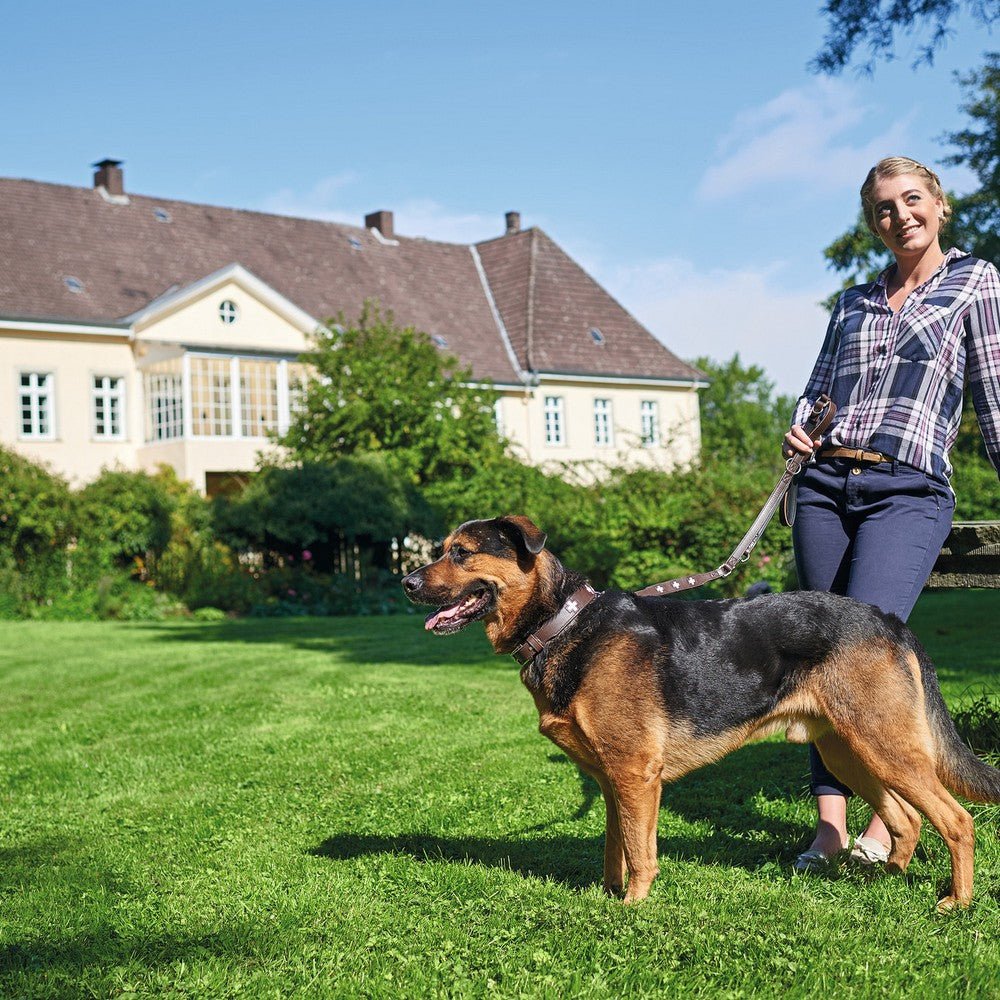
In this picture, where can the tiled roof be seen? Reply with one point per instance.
(550, 305)
(126, 255)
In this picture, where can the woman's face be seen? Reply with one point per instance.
(907, 215)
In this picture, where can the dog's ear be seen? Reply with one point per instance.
(523, 528)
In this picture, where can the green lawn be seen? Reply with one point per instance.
(349, 807)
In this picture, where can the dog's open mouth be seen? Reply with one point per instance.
(453, 617)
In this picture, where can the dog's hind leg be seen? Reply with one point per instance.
(637, 792)
(614, 853)
(907, 770)
(902, 821)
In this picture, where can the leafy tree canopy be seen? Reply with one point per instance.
(875, 25)
(382, 388)
(858, 256)
(740, 413)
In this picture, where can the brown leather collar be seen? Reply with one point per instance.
(560, 621)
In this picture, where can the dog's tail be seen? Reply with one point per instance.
(958, 767)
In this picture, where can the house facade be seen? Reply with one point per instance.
(137, 331)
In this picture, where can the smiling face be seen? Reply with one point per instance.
(907, 216)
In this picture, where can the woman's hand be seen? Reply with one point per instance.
(797, 442)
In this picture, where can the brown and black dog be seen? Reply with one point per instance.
(641, 690)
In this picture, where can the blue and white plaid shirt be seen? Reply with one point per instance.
(897, 377)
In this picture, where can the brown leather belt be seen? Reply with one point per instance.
(855, 454)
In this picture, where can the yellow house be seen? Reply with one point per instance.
(136, 331)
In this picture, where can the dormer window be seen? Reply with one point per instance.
(229, 312)
(596, 334)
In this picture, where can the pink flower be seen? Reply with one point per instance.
(307, 555)
(291, 593)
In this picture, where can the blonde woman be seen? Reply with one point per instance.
(875, 506)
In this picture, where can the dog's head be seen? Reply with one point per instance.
(489, 569)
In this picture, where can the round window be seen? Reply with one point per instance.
(229, 311)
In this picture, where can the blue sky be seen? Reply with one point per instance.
(682, 152)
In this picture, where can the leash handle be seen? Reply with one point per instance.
(817, 423)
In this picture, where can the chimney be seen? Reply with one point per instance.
(382, 221)
(513, 220)
(109, 176)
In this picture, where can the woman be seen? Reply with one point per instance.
(875, 506)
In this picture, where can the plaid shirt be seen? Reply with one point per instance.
(897, 377)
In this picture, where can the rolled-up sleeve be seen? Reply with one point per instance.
(982, 351)
(821, 379)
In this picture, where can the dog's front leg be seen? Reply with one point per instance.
(637, 796)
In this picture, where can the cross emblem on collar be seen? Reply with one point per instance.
(571, 605)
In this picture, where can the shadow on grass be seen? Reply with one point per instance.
(97, 953)
(390, 638)
(728, 797)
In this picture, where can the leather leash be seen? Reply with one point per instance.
(820, 418)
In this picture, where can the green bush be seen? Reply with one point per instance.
(36, 526)
(123, 519)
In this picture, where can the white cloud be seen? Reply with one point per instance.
(719, 313)
(414, 217)
(799, 136)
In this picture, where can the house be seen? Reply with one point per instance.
(136, 331)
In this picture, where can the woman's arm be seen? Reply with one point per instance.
(821, 380)
(982, 352)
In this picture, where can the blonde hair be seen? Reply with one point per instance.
(893, 166)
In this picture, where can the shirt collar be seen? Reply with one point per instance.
(952, 254)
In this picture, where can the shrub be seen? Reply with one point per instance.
(36, 509)
(123, 519)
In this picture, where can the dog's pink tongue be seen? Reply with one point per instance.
(441, 615)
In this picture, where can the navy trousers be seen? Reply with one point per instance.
(871, 532)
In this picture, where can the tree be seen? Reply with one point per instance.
(740, 415)
(382, 388)
(858, 255)
(874, 24)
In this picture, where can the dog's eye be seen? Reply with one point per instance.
(459, 552)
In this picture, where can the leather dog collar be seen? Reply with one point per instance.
(561, 620)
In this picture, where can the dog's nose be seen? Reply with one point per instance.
(412, 583)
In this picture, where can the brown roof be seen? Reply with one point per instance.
(125, 257)
(550, 305)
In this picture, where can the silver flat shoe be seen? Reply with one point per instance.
(815, 860)
(868, 851)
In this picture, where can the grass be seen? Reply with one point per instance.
(347, 807)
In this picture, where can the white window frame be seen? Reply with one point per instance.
(604, 431)
(649, 423)
(43, 386)
(555, 421)
(108, 395)
(165, 407)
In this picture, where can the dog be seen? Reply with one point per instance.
(639, 691)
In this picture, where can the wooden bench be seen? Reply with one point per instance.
(970, 557)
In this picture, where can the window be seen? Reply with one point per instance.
(498, 417)
(164, 387)
(603, 435)
(229, 312)
(298, 383)
(211, 397)
(258, 397)
(109, 407)
(36, 405)
(649, 416)
(554, 423)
